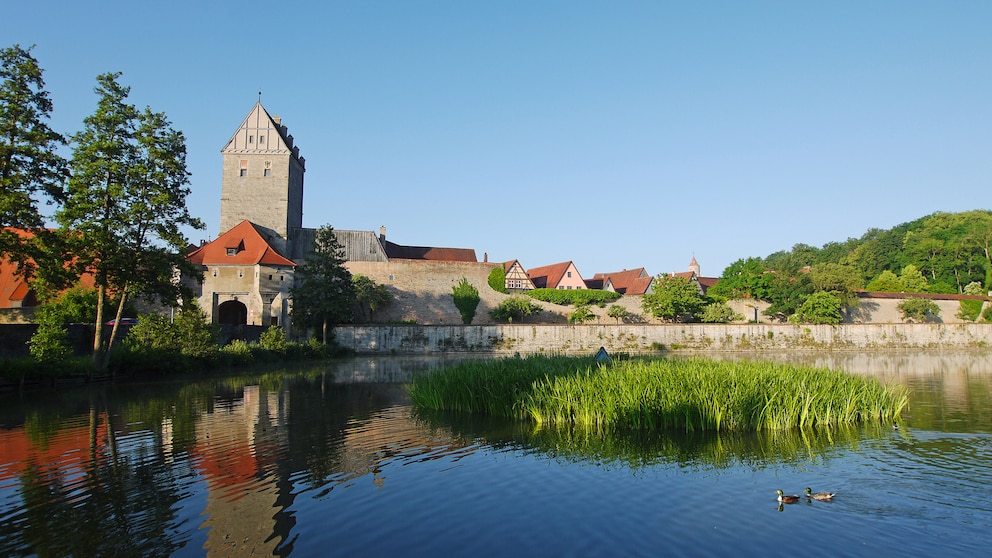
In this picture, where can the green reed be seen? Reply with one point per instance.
(686, 394)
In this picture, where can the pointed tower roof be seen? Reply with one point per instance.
(262, 133)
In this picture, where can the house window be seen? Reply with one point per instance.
(261, 139)
(232, 252)
(268, 169)
(274, 320)
(244, 167)
(251, 140)
(267, 172)
(569, 273)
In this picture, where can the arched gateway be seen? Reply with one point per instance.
(232, 312)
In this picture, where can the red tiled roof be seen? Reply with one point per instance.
(548, 276)
(252, 248)
(14, 290)
(396, 251)
(628, 281)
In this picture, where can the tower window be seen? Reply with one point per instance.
(244, 167)
(251, 139)
(268, 169)
(261, 139)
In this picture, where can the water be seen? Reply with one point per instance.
(335, 462)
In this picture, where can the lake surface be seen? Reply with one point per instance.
(333, 461)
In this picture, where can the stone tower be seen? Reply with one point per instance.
(262, 180)
(694, 266)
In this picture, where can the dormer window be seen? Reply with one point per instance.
(234, 246)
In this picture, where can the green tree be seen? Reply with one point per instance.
(743, 279)
(325, 294)
(617, 312)
(580, 315)
(29, 160)
(673, 298)
(126, 205)
(514, 308)
(820, 307)
(719, 313)
(842, 281)
(912, 280)
(787, 294)
(466, 298)
(370, 296)
(886, 282)
(497, 280)
(919, 310)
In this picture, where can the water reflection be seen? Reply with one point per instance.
(249, 464)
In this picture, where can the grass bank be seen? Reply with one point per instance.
(686, 394)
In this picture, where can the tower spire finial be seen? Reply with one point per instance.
(259, 96)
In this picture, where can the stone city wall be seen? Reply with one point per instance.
(634, 338)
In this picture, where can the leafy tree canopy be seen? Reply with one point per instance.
(29, 160)
(673, 298)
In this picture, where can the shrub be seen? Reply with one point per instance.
(970, 309)
(580, 315)
(497, 280)
(719, 313)
(48, 345)
(466, 298)
(574, 297)
(273, 339)
(987, 314)
(514, 308)
(919, 310)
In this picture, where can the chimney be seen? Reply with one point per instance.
(382, 233)
(277, 119)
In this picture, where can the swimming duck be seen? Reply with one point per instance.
(819, 495)
(787, 499)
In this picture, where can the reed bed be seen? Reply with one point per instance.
(687, 394)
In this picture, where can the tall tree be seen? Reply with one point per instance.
(126, 205)
(370, 296)
(29, 162)
(325, 294)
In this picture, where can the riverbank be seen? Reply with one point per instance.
(641, 338)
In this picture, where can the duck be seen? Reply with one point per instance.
(787, 499)
(819, 495)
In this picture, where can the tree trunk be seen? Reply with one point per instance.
(113, 332)
(324, 329)
(98, 334)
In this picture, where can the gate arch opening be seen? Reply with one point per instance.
(232, 312)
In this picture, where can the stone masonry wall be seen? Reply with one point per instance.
(634, 338)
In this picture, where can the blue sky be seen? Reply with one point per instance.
(613, 134)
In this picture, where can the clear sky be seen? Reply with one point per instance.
(616, 134)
